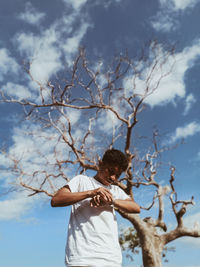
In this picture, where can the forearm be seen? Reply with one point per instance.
(69, 198)
(64, 197)
(128, 206)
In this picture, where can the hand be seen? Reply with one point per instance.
(99, 201)
(101, 197)
(103, 192)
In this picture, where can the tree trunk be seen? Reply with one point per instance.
(151, 242)
(151, 255)
(152, 246)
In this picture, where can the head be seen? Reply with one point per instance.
(113, 163)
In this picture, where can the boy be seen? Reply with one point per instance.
(92, 232)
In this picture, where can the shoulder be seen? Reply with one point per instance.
(78, 182)
(79, 177)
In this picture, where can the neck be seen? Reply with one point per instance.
(96, 177)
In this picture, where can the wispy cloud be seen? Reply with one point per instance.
(34, 152)
(49, 50)
(42, 53)
(8, 64)
(190, 100)
(167, 17)
(31, 15)
(35, 148)
(185, 131)
(167, 81)
(72, 44)
(76, 4)
(107, 121)
(183, 4)
(15, 207)
(17, 91)
(164, 22)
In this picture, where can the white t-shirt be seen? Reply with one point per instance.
(92, 232)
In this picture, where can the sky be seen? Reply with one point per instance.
(48, 34)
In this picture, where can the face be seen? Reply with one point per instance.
(108, 174)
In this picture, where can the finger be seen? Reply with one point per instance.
(104, 193)
(97, 200)
(107, 197)
(92, 203)
(107, 192)
(103, 190)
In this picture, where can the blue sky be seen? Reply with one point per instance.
(48, 33)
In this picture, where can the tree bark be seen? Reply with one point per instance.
(151, 242)
(151, 250)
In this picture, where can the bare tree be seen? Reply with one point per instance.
(88, 109)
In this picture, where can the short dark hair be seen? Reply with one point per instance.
(115, 157)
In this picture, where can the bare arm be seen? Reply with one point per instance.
(127, 205)
(64, 196)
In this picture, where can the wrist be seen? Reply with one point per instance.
(90, 193)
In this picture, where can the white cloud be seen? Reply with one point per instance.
(185, 131)
(190, 100)
(42, 53)
(28, 139)
(107, 121)
(35, 154)
(76, 4)
(74, 116)
(183, 4)
(167, 17)
(167, 77)
(50, 50)
(14, 208)
(36, 149)
(7, 64)
(164, 22)
(178, 4)
(107, 3)
(70, 47)
(17, 91)
(31, 15)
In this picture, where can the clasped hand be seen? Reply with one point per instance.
(101, 197)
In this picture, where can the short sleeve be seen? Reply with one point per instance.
(74, 184)
(119, 193)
